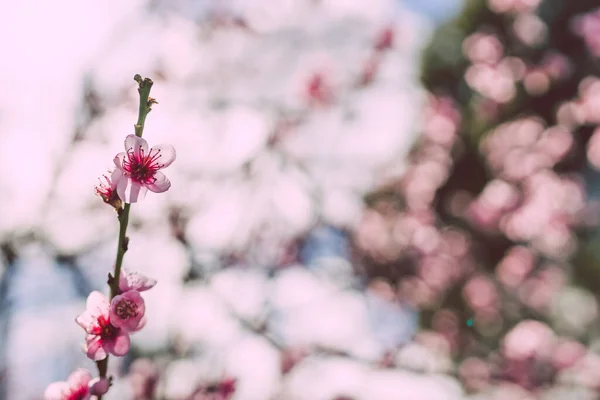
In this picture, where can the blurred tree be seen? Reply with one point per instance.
(493, 211)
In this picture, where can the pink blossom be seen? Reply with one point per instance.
(135, 281)
(223, 390)
(127, 311)
(138, 169)
(318, 90)
(513, 6)
(79, 386)
(106, 188)
(226, 388)
(103, 337)
(588, 27)
(385, 39)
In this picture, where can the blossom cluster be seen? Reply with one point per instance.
(108, 323)
(485, 229)
(137, 171)
(107, 326)
(79, 386)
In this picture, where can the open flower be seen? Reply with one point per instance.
(127, 311)
(79, 386)
(103, 337)
(134, 281)
(138, 169)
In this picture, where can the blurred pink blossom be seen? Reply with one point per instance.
(441, 120)
(551, 206)
(588, 103)
(480, 293)
(513, 6)
(530, 29)
(483, 48)
(475, 373)
(78, 386)
(143, 377)
(385, 39)
(138, 169)
(556, 65)
(536, 82)
(438, 272)
(226, 388)
(538, 291)
(494, 82)
(497, 198)
(318, 90)
(567, 353)
(515, 266)
(222, 390)
(585, 371)
(529, 339)
(588, 27)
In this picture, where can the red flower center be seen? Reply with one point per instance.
(142, 167)
(104, 329)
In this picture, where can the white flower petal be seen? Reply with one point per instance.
(135, 281)
(137, 145)
(79, 378)
(129, 191)
(118, 160)
(56, 391)
(137, 193)
(115, 177)
(166, 154)
(93, 348)
(97, 301)
(162, 183)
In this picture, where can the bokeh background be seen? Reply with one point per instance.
(372, 200)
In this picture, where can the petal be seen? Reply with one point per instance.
(165, 154)
(97, 304)
(97, 301)
(130, 191)
(94, 348)
(86, 321)
(162, 183)
(119, 346)
(79, 378)
(115, 177)
(135, 281)
(142, 324)
(121, 186)
(56, 391)
(137, 145)
(118, 160)
(99, 386)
